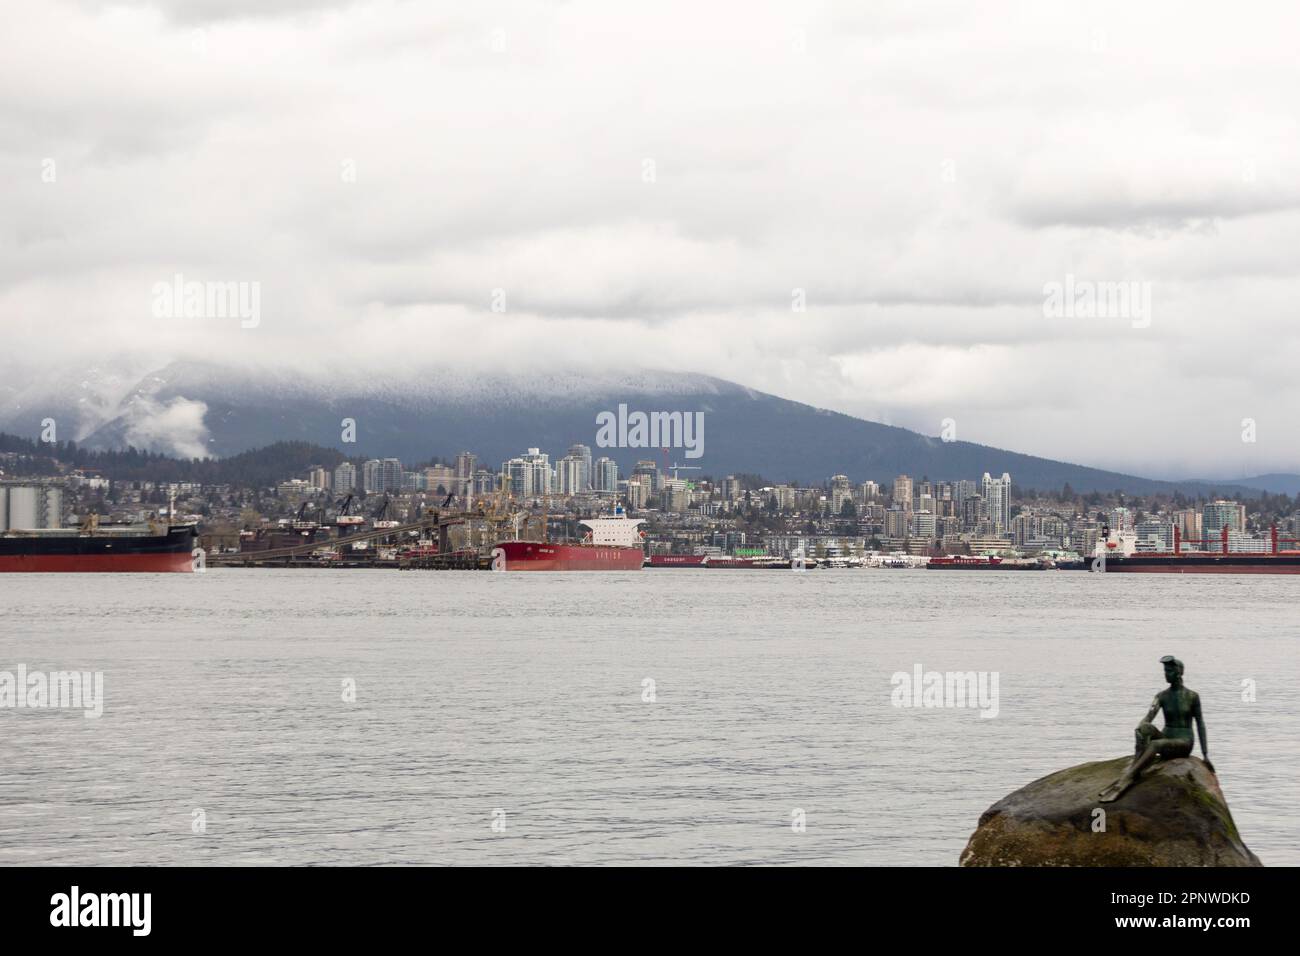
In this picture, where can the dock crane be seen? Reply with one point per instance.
(345, 520)
(380, 519)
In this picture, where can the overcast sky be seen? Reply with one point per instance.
(650, 183)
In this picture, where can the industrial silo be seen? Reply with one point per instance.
(53, 510)
(4, 509)
(25, 503)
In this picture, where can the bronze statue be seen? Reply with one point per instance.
(1181, 706)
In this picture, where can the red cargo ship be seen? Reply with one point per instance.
(612, 544)
(972, 562)
(98, 550)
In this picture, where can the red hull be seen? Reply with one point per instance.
(97, 563)
(677, 561)
(535, 556)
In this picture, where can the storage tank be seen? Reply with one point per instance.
(53, 507)
(4, 509)
(25, 507)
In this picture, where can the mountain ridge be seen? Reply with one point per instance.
(201, 409)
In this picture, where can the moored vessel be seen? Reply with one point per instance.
(976, 562)
(95, 549)
(1117, 553)
(612, 544)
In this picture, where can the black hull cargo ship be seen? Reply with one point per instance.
(1116, 554)
(99, 550)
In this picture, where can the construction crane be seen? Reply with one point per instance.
(676, 468)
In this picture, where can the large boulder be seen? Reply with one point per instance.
(1175, 815)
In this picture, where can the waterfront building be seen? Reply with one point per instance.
(1188, 523)
(1154, 534)
(897, 521)
(1216, 514)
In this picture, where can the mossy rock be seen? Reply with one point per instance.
(1175, 815)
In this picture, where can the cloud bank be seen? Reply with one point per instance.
(853, 206)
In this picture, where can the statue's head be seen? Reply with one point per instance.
(1173, 668)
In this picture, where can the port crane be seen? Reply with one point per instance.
(380, 517)
(299, 521)
(345, 520)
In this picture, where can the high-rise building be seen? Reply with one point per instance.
(442, 479)
(923, 525)
(527, 476)
(583, 452)
(997, 500)
(571, 475)
(640, 489)
(381, 476)
(392, 474)
(841, 491)
(605, 477)
(648, 469)
(902, 496)
(1216, 514)
(963, 489)
(319, 478)
(1188, 523)
(897, 521)
(345, 478)
(372, 476)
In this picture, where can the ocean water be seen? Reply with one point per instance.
(522, 700)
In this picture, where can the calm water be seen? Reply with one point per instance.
(522, 693)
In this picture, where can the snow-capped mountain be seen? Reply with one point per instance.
(192, 408)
